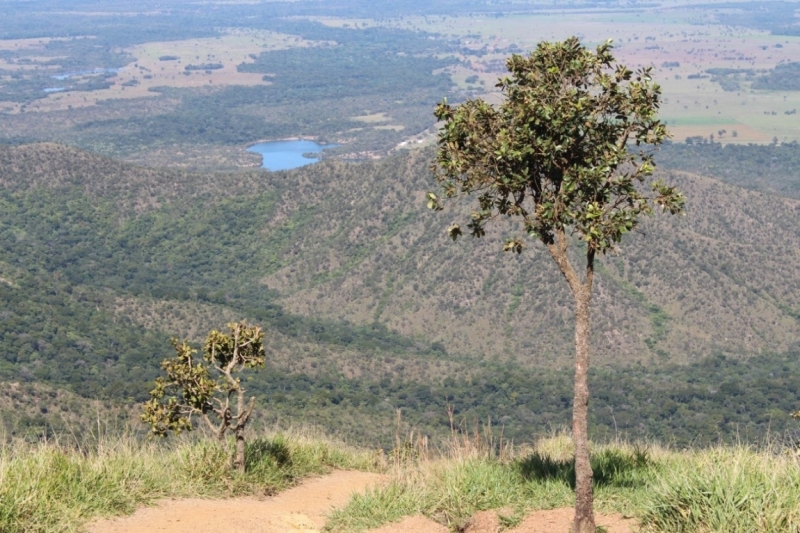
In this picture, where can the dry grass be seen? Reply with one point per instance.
(60, 486)
(721, 489)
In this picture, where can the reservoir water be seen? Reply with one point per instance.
(284, 155)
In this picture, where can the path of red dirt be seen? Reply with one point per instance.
(551, 521)
(302, 509)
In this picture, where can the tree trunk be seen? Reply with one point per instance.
(238, 462)
(582, 292)
(241, 421)
(584, 514)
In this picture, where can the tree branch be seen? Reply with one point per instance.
(558, 250)
(590, 255)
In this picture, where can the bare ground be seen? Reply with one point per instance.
(300, 509)
(550, 521)
(303, 509)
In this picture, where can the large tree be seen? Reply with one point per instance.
(567, 153)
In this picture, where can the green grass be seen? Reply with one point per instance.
(733, 490)
(722, 489)
(53, 487)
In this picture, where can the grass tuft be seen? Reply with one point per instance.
(722, 489)
(54, 487)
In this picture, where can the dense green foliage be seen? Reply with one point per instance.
(784, 77)
(550, 156)
(717, 399)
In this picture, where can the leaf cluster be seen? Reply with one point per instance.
(204, 387)
(556, 153)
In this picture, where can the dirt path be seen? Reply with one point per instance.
(298, 510)
(552, 521)
(303, 509)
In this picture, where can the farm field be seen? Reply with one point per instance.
(681, 42)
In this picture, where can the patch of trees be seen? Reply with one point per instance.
(699, 404)
(204, 66)
(730, 78)
(79, 252)
(70, 245)
(784, 77)
(349, 69)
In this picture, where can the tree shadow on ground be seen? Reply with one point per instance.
(263, 452)
(612, 468)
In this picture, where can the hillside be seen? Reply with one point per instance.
(724, 279)
(344, 241)
(368, 307)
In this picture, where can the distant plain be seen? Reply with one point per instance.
(680, 42)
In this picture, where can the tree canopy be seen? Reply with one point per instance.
(556, 152)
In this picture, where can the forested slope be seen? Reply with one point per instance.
(723, 279)
(368, 307)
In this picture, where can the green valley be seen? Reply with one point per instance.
(102, 262)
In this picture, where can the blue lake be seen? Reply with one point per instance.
(86, 72)
(283, 155)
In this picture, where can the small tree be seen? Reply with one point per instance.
(205, 387)
(556, 156)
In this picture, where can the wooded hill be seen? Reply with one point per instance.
(369, 307)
